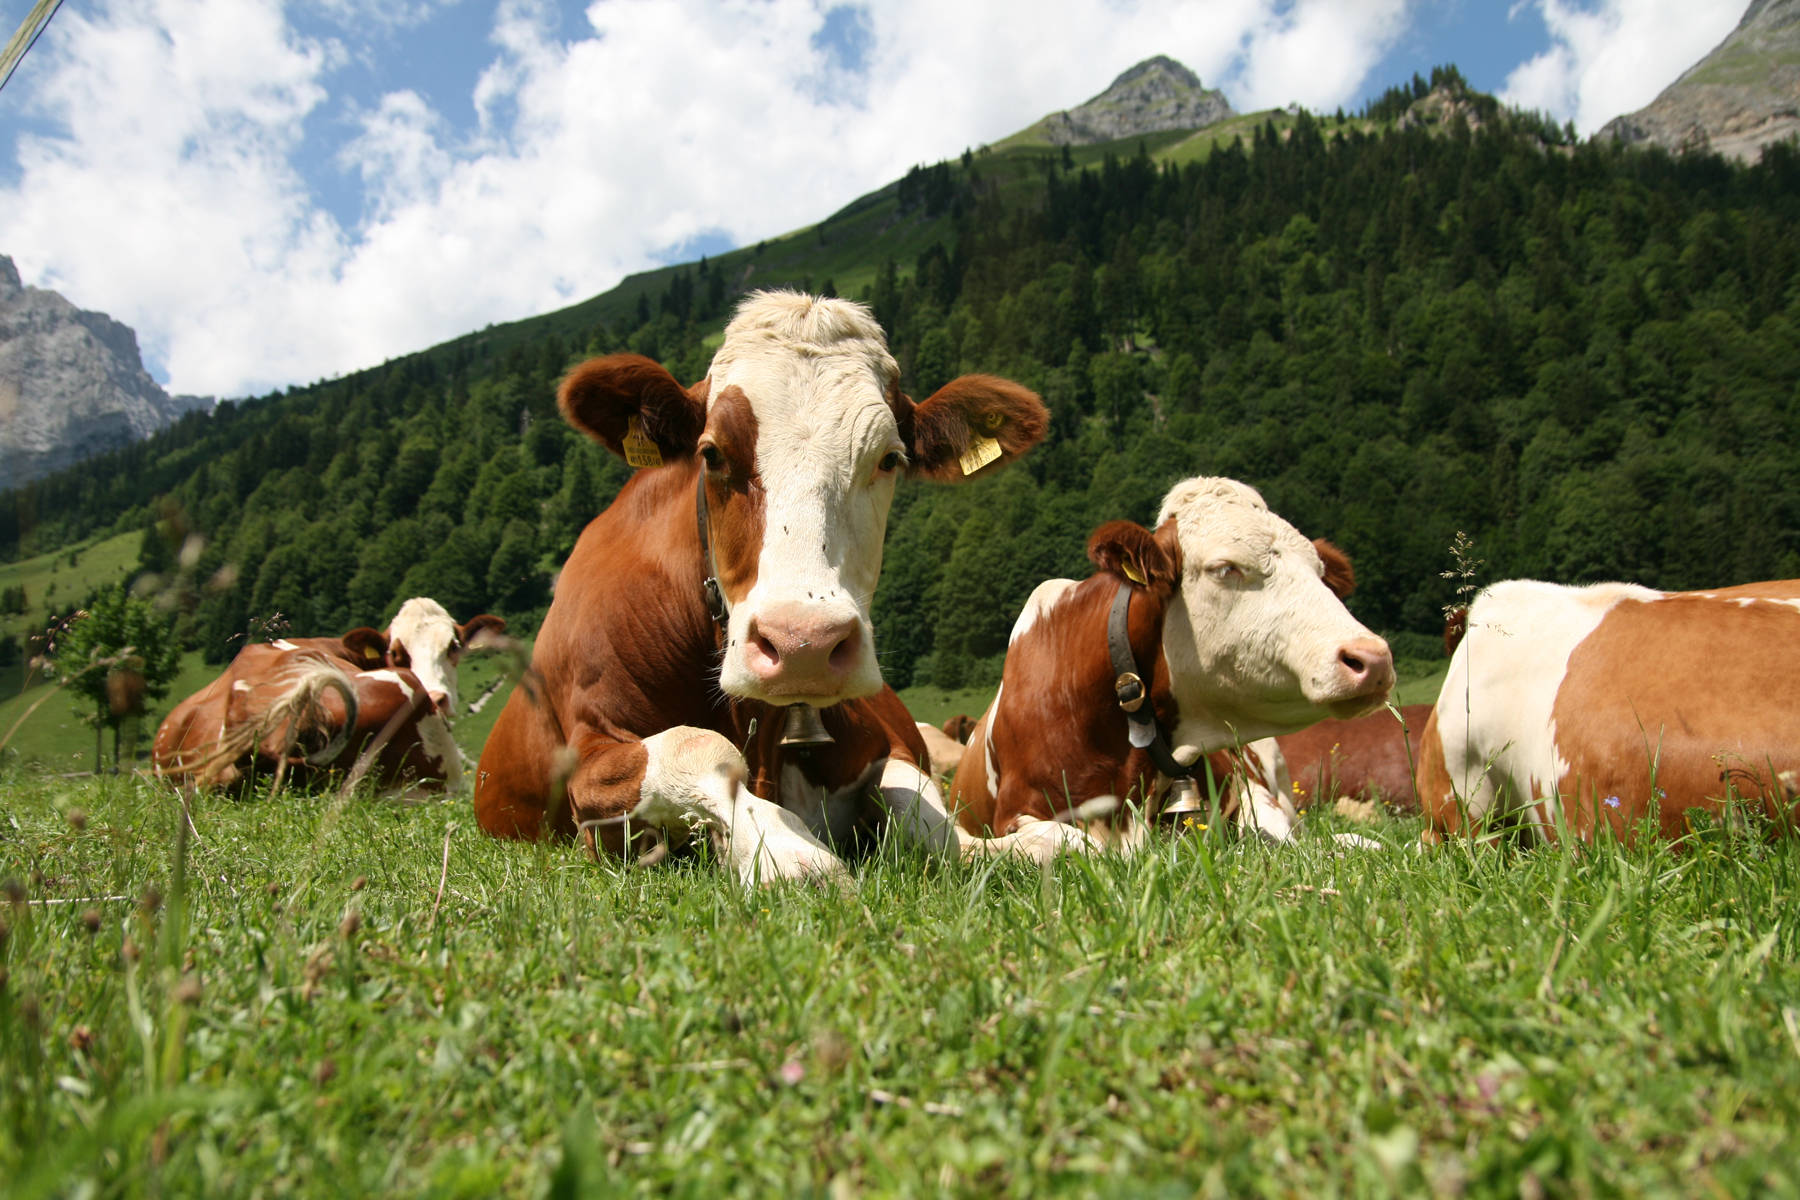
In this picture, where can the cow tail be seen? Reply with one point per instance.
(296, 712)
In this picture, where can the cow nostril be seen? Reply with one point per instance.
(766, 647)
(1355, 664)
(843, 655)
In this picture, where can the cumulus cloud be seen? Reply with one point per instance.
(1614, 57)
(163, 185)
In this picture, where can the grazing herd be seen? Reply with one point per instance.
(708, 669)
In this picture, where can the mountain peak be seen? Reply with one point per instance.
(1155, 95)
(1736, 100)
(72, 384)
(1160, 64)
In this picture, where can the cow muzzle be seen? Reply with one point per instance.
(1363, 677)
(802, 653)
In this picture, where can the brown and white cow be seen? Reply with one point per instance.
(732, 582)
(367, 704)
(423, 637)
(1597, 706)
(1369, 758)
(1240, 633)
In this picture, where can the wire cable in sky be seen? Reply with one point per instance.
(36, 21)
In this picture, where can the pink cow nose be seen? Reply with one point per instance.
(796, 652)
(440, 701)
(1368, 666)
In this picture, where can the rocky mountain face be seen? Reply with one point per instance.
(72, 384)
(1157, 94)
(1736, 100)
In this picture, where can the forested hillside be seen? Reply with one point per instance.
(1586, 358)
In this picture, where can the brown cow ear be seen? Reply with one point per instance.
(973, 425)
(366, 646)
(1340, 577)
(634, 408)
(480, 632)
(1132, 553)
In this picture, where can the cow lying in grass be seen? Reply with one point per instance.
(1593, 708)
(1221, 626)
(367, 705)
(1369, 759)
(730, 581)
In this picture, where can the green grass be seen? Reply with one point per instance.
(1211, 1017)
(935, 705)
(52, 582)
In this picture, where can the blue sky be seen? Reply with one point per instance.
(272, 193)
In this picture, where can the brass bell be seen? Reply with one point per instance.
(804, 728)
(1184, 797)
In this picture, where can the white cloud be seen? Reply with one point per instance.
(1615, 57)
(168, 193)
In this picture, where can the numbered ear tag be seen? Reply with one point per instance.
(640, 451)
(980, 453)
(1133, 574)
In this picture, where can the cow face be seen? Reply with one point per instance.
(424, 639)
(1257, 638)
(802, 434)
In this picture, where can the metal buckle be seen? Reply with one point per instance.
(1130, 691)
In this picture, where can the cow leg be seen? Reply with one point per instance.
(916, 809)
(512, 779)
(1039, 840)
(695, 779)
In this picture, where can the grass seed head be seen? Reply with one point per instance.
(13, 890)
(90, 920)
(150, 900)
(77, 819)
(81, 1039)
(359, 883)
(188, 990)
(351, 923)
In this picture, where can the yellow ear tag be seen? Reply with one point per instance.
(640, 451)
(980, 453)
(371, 654)
(1131, 573)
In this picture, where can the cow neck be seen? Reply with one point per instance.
(710, 591)
(1133, 692)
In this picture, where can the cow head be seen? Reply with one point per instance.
(1257, 638)
(424, 639)
(801, 433)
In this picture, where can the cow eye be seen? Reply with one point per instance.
(1225, 572)
(713, 457)
(891, 461)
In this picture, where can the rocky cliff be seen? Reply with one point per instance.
(1736, 100)
(72, 384)
(1157, 94)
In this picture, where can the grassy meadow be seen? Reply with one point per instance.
(307, 995)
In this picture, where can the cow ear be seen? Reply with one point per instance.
(366, 646)
(1340, 577)
(481, 632)
(973, 425)
(1133, 553)
(634, 408)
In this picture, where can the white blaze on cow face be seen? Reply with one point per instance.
(816, 375)
(1256, 643)
(423, 638)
